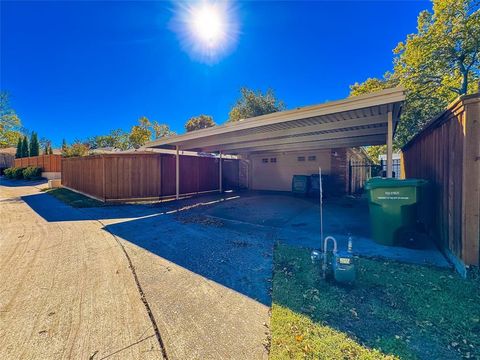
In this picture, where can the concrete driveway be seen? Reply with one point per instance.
(68, 290)
(295, 220)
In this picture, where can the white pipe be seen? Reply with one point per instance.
(320, 185)
(177, 172)
(325, 244)
(325, 248)
(220, 173)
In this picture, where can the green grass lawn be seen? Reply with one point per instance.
(74, 199)
(393, 311)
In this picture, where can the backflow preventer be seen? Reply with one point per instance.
(342, 265)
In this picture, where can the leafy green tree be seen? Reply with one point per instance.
(44, 144)
(372, 85)
(117, 139)
(443, 56)
(199, 122)
(64, 145)
(140, 134)
(78, 148)
(47, 150)
(34, 145)
(19, 152)
(137, 137)
(10, 124)
(161, 130)
(368, 86)
(374, 152)
(251, 104)
(435, 65)
(25, 150)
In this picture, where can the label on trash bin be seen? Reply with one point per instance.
(392, 195)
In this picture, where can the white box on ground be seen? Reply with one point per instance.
(55, 183)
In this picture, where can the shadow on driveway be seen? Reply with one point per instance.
(229, 238)
(51, 209)
(19, 183)
(238, 258)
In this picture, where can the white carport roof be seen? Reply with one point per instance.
(355, 121)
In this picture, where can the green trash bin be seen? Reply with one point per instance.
(393, 207)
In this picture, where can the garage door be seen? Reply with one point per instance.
(275, 171)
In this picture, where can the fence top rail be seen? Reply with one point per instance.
(452, 109)
(101, 156)
(39, 156)
(137, 154)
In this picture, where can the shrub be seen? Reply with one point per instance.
(8, 172)
(14, 173)
(31, 173)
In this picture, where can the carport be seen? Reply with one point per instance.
(352, 122)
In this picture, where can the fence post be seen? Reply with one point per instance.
(389, 143)
(177, 172)
(104, 179)
(220, 173)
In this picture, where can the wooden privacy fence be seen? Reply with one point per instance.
(447, 153)
(48, 163)
(136, 176)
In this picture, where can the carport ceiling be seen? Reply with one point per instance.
(355, 121)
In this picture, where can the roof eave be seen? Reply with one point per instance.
(388, 96)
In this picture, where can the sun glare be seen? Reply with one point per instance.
(207, 24)
(207, 30)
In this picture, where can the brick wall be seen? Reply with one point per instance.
(337, 183)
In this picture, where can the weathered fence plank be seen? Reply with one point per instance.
(117, 177)
(48, 163)
(447, 153)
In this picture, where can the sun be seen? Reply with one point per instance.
(207, 30)
(207, 24)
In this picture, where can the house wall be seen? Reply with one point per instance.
(338, 181)
(278, 175)
(6, 161)
(267, 175)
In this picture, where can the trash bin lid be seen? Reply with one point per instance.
(379, 182)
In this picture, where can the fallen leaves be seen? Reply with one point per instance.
(354, 313)
(405, 310)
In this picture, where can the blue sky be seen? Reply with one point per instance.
(78, 69)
